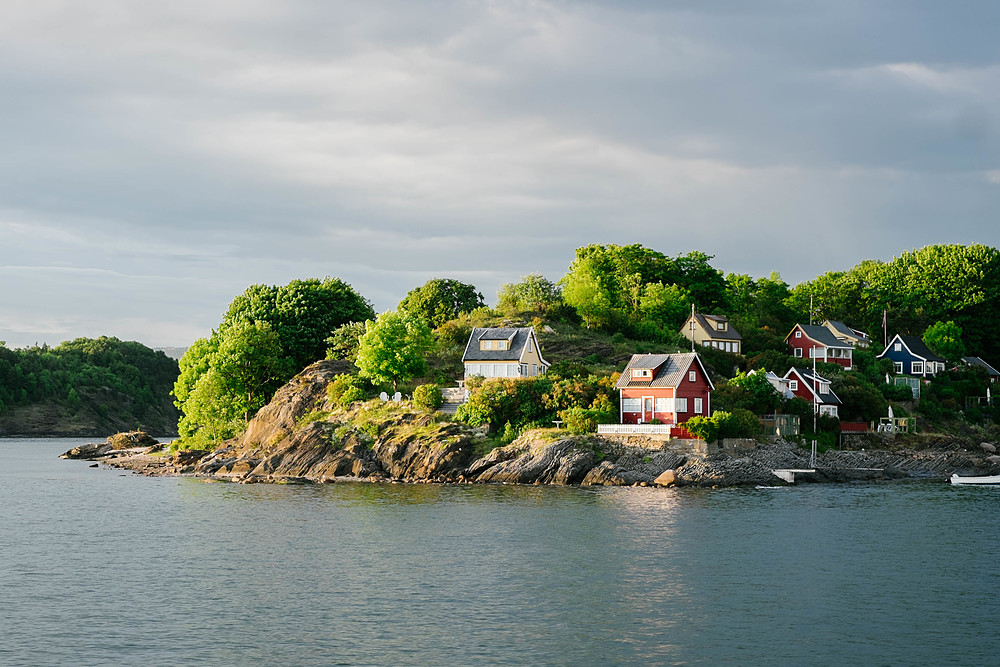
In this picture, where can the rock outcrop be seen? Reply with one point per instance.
(301, 436)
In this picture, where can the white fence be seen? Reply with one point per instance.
(634, 429)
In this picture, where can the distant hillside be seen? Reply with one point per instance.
(86, 387)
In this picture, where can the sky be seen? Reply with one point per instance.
(156, 159)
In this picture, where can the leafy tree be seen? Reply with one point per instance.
(394, 348)
(343, 344)
(666, 305)
(765, 398)
(267, 335)
(533, 293)
(440, 300)
(303, 313)
(945, 339)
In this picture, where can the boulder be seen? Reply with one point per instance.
(666, 478)
(994, 460)
(988, 447)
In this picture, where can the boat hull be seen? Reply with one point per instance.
(990, 479)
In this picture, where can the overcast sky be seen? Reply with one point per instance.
(156, 158)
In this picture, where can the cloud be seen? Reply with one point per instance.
(172, 154)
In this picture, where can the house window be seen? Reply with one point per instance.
(798, 352)
(706, 343)
(501, 345)
(697, 406)
(793, 385)
(917, 368)
(798, 334)
(631, 404)
(898, 347)
(681, 404)
(824, 388)
(720, 326)
(642, 373)
(661, 405)
(534, 370)
(692, 376)
(897, 367)
(531, 345)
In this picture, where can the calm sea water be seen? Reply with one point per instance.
(103, 568)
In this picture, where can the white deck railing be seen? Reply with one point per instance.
(634, 429)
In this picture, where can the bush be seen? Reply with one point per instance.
(739, 423)
(428, 396)
(345, 389)
(703, 428)
(579, 420)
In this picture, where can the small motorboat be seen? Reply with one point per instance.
(989, 479)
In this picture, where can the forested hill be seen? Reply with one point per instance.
(86, 387)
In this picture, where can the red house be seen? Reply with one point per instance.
(813, 342)
(671, 388)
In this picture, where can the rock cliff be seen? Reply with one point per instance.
(300, 436)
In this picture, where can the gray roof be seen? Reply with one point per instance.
(917, 346)
(844, 330)
(807, 378)
(707, 323)
(518, 340)
(672, 369)
(821, 335)
(978, 361)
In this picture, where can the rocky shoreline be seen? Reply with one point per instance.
(299, 437)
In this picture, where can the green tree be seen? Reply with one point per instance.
(394, 348)
(267, 335)
(533, 293)
(945, 339)
(440, 300)
(343, 344)
(303, 313)
(765, 398)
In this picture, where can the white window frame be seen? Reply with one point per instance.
(797, 352)
(680, 405)
(897, 367)
(698, 406)
(692, 376)
(631, 405)
(798, 334)
(793, 385)
(916, 368)
(662, 405)
(897, 347)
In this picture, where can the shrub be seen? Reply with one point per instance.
(345, 389)
(427, 396)
(739, 423)
(579, 420)
(703, 428)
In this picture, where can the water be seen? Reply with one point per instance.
(98, 568)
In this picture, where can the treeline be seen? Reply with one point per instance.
(643, 293)
(613, 301)
(91, 382)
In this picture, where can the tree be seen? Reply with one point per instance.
(533, 293)
(945, 339)
(765, 398)
(267, 335)
(303, 313)
(394, 348)
(440, 300)
(228, 379)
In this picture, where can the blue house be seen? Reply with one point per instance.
(910, 356)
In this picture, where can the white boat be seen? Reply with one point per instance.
(989, 479)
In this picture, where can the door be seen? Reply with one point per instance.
(647, 409)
